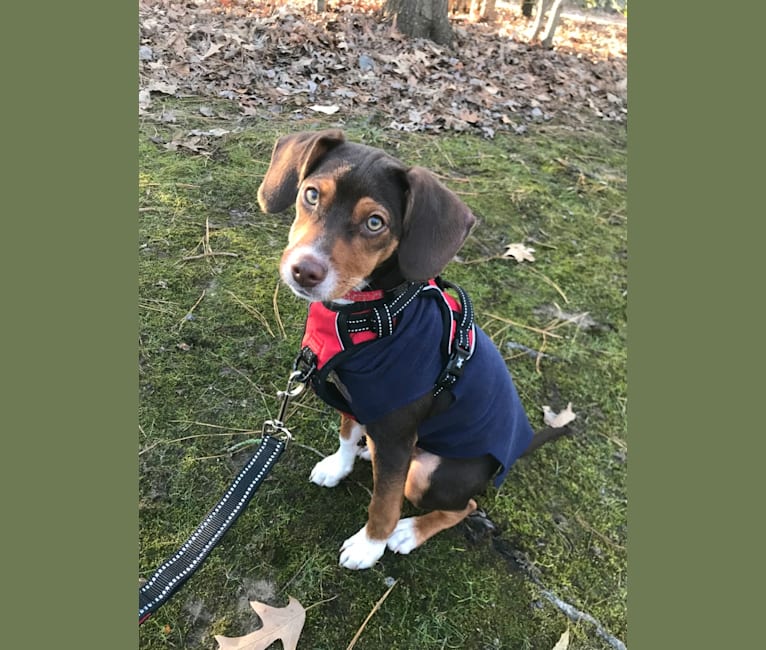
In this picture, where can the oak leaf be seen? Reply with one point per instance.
(519, 252)
(563, 642)
(557, 420)
(285, 623)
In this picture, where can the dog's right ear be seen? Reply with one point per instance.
(292, 158)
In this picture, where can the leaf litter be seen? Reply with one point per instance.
(277, 58)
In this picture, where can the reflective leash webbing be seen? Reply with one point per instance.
(169, 577)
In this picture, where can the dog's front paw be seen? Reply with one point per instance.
(404, 538)
(364, 453)
(361, 552)
(331, 470)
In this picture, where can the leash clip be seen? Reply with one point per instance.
(296, 384)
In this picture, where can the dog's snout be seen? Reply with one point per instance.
(308, 272)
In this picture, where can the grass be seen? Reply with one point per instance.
(217, 339)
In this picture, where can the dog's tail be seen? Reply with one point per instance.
(546, 435)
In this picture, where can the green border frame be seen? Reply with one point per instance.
(70, 465)
(70, 462)
(694, 278)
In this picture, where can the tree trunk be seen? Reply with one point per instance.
(421, 19)
(526, 8)
(553, 20)
(482, 10)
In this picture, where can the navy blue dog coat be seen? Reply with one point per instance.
(380, 374)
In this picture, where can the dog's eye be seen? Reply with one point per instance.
(311, 194)
(374, 223)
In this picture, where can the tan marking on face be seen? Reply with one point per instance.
(306, 229)
(356, 258)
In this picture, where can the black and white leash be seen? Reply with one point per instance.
(173, 573)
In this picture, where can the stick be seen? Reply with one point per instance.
(253, 311)
(188, 313)
(526, 327)
(369, 616)
(276, 310)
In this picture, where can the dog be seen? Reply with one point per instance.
(387, 343)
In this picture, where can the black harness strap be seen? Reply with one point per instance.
(461, 348)
(176, 570)
(379, 317)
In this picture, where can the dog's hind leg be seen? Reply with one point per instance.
(331, 470)
(445, 486)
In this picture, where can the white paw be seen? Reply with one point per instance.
(364, 453)
(361, 552)
(403, 539)
(331, 470)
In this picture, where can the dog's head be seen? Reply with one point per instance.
(357, 208)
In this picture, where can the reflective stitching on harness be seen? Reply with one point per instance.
(367, 316)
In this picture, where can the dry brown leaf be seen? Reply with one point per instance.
(519, 252)
(283, 60)
(557, 420)
(285, 623)
(563, 642)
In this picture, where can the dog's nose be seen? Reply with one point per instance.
(308, 272)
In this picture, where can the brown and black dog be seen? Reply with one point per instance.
(368, 225)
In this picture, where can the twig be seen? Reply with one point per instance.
(529, 351)
(207, 250)
(577, 615)
(321, 602)
(370, 615)
(316, 451)
(196, 435)
(602, 537)
(550, 282)
(526, 327)
(253, 311)
(189, 313)
(189, 258)
(276, 310)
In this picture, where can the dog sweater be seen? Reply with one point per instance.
(381, 375)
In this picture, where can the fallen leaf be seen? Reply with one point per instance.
(519, 252)
(563, 642)
(162, 87)
(285, 623)
(144, 99)
(558, 420)
(327, 110)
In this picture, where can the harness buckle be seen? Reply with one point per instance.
(454, 366)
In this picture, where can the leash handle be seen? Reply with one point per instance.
(173, 573)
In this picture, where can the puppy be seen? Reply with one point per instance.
(386, 342)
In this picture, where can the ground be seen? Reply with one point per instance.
(218, 335)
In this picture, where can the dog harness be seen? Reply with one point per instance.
(364, 372)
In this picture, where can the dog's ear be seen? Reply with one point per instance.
(436, 223)
(292, 158)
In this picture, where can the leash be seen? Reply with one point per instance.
(174, 572)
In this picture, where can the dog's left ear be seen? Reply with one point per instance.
(436, 223)
(292, 158)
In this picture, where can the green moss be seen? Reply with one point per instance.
(212, 355)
